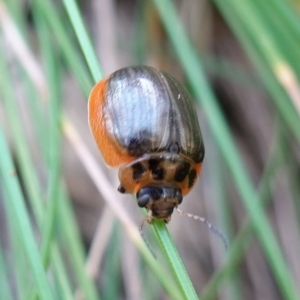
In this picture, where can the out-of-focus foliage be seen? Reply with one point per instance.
(60, 234)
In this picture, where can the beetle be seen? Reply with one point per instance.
(144, 122)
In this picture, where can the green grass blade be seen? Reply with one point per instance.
(71, 56)
(174, 260)
(239, 245)
(4, 275)
(17, 203)
(53, 161)
(224, 214)
(49, 217)
(84, 41)
(15, 259)
(267, 68)
(74, 246)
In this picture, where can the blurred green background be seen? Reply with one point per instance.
(65, 233)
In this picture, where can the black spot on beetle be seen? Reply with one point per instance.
(181, 172)
(153, 163)
(192, 177)
(158, 173)
(138, 170)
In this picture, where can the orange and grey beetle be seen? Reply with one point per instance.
(144, 122)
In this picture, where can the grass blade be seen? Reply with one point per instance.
(16, 201)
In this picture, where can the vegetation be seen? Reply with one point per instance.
(240, 62)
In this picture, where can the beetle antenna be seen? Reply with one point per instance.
(143, 236)
(210, 226)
